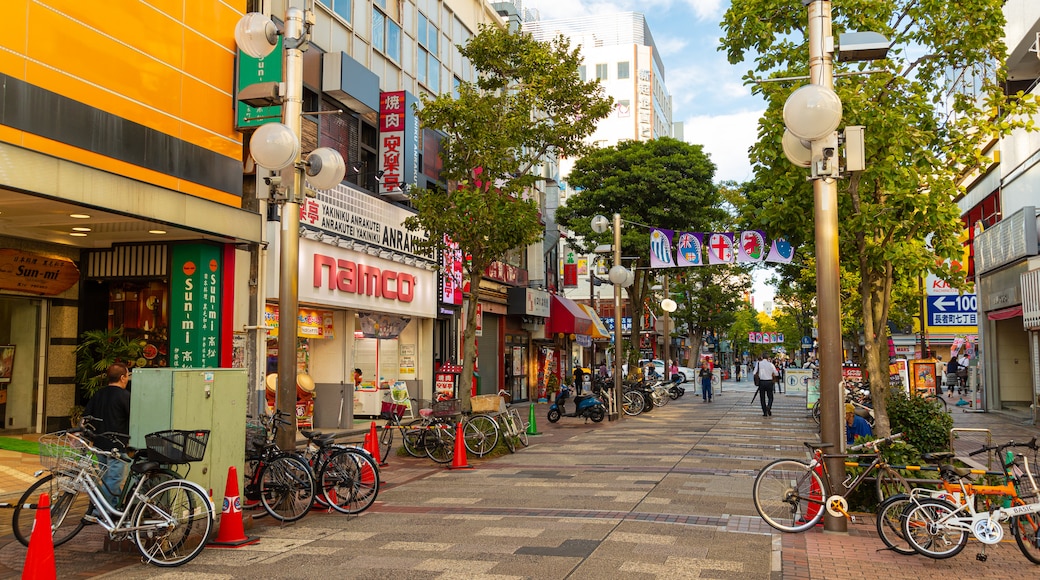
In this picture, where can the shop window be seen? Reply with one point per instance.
(141, 309)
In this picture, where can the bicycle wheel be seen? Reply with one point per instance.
(509, 431)
(386, 439)
(890, 482)
(68, 507)
(632, 403)
(350, 480)
(521, 427)
(439, 443)
(173, 523)
(889, 524)
(924, 528)
(286, 488)
(411, 438)
(940, 402)
(816, 412)
(789, 495)
(480, 434)
(1026, 529)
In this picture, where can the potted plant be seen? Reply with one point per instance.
(97, 350)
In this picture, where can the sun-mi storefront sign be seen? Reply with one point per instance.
(195, 306)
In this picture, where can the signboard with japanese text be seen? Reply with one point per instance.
(955, 310)
(258, 70)
(451, 274)
(311, 322)
(398, 141)
(195, 304)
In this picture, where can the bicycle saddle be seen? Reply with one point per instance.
(317, 436)
(938, 457)
(949, 472)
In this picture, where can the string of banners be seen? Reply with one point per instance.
(765, 337)
(721, 248)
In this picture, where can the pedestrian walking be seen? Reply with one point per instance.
(705, 375)
(766, 373)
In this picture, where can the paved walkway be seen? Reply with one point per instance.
(664, 495)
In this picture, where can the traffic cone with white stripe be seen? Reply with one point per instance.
(231, 534)
(39, 560)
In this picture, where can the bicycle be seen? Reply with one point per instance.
(791, 495)
(939, 529)
(68, 507)
(348, 476)
(280, 481)
(434, 435)
(410, 435)
(481, 431)
(169, 523)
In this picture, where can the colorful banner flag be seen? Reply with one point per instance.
(751, 337)
(758, 337)
(781, 251)
(720, 248)
(752, 246)
(779, 337)
(661, 248)
(689, 248)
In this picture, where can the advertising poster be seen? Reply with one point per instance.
(923, 377)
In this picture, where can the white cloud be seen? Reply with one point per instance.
(727, 139)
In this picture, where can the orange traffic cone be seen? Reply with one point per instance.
(373, 444)
(231, 533)
(458, 461)
(39, 560)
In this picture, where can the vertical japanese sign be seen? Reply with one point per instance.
(398, 141)
(195, 303)
(645, 107)
(258, 70)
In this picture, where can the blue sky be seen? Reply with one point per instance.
(708, 96)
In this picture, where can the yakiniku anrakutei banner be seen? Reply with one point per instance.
(749, 246)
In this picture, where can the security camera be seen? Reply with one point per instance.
(273, 180)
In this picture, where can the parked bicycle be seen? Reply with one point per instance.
(792, 495)
(169, 523)
(280, 480)
(939, 528)
(482, 430)
(347, 477)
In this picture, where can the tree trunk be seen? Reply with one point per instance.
(875, 340)
(469, 338)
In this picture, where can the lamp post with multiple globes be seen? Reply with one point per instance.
(619, 276)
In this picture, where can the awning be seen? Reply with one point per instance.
(565, 316)
(1005, 313)
(598, 330)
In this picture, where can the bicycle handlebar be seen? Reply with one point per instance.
(875, 443)
(1031, 445)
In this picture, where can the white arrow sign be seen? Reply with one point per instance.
(941, 303)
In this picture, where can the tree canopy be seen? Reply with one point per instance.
(528, 105)
(930, 110)
(662, 183)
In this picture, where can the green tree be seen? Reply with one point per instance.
(663, 183)
(710, 298)
(744, 322)
(527, 104)
(898, 218)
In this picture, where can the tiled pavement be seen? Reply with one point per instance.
(666, 495)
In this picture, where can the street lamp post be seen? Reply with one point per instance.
(276, 146)
(619, 276)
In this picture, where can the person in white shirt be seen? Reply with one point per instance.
(766, 374)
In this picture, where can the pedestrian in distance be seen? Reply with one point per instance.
(705, 375)
(109, 414)
(767, 374)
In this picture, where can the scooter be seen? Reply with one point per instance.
(587, 406)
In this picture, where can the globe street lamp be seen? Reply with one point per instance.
(619, 276)
(276, 147)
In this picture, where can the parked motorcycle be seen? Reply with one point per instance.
(587, 406)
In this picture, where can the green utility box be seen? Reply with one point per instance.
(213, 399)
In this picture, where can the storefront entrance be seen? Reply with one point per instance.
(515, 367)
(19, 339)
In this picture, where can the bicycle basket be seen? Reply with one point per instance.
(66, 453)
(446, 408)
(392, 408)
(177, 446)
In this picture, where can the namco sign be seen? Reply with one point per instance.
(351, 277)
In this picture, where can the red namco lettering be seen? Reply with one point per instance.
(347, 276)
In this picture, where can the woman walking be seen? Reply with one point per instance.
(705, 376)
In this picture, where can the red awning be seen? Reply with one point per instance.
(1005, 313)
(567, 317)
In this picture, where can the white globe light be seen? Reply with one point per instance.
(274, 146)
(812, 112)
(618, 275)
(797, 151)
(630, 278)
(600, 224)
(325, 168)
(668, 305)
(256, 35)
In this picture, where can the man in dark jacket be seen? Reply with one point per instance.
(110, 412)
